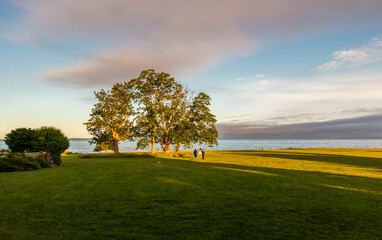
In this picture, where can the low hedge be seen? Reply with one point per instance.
(18, 162)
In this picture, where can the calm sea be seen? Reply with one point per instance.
(83, 146)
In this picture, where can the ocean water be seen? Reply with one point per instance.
(83, 146)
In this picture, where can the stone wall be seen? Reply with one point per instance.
(33, 154)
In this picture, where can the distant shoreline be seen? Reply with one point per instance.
(232, 139)
(80, 139)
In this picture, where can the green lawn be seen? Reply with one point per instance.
(275, 194)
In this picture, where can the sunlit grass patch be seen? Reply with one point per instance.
(316, 160)
(353, 189)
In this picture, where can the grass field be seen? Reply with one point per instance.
(268, 194)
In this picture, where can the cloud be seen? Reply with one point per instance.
(368, 53)
(317, 98)
(124, 64)
(360, 127)
(319, 116)
(125, 37)
(354, 86)
(252, 77)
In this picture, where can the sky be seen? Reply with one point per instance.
(274, 69)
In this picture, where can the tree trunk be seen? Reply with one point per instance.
(162, 145)
(167, 144)
(152, 145)
(177, 147)
(167, 147)
(116, 146)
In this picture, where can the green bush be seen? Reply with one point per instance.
(56, 159)
(24, 163)
(47, 139)
(43, 163)
(6, 165)
(18, 162)
(20, 140)
(51, 140)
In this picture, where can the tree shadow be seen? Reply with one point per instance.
(317, 179)
(359, 161)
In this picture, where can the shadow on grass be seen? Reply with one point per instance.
(359, 161)
(316, 179)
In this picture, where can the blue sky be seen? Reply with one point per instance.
(284, 67)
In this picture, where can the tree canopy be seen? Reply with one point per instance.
(161, 104)
(111, 116)
(197, 125)
(152, 108)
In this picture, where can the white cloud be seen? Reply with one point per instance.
(182, 36)
(315, 98)
(369, 53)
(123, 64)
(252, 78)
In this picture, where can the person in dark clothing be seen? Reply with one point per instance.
(195, 153)
(203, 154)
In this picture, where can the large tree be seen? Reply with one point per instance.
(197, 125)
(173, 115)
(112, 116)
(161, 104)
(168, 115)
(203, 121)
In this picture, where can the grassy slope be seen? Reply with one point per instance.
(278, 194)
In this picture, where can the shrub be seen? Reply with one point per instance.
(47, 139)
(45, 160)
(18, 162)
(6, 165)
(51, 140)
(43, 163)
(23, 163)
(20, 139)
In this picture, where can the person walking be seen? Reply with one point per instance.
(195, 153)
(203, 152)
